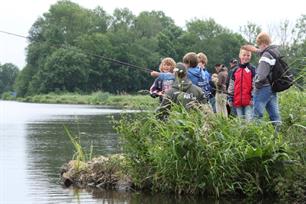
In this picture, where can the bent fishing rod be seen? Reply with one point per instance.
(67, 46)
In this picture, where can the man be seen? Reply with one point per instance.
(221, 97)
(264, 97)
(233, 66)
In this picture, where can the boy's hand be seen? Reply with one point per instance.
(215, 80)
(201, 65)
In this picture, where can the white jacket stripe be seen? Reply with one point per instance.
(269, 61)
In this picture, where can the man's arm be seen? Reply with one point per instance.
(263, 70)
(251, 48)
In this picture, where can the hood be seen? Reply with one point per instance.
(273, 48)
(182, 84)
(194, 71)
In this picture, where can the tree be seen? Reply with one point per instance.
(23, 80)
(205, 29)
(123, 19)
(250, 31)
(64, 70)
(219, 44)
(8, 75)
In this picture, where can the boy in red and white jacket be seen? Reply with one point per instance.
(241, 86)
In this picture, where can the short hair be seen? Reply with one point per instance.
(234, 61)
(180, 70)
(167, 61)
(263, 38)
(202, 58)
(191, 59)
(214, 75)
(243, 48)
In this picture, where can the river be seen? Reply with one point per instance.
(34, 145)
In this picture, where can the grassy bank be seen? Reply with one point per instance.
(97, 98)
(194, 153)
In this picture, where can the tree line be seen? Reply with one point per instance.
(67, 45)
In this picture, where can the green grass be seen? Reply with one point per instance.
(194, 153)
(80, 154)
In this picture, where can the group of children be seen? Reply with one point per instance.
(239, 91)
(222, 89)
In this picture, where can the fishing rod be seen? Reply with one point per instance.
(67, 46)
(110, 59)
(14, 34)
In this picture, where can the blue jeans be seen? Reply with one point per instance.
(245, 112)
(264, 98)
(234, 111)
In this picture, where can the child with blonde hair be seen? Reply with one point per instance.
(205, 83)
(241, 86)
(165, 78)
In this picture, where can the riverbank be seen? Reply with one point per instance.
(97, 98)
(100, 172)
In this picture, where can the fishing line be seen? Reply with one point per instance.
(87, 52)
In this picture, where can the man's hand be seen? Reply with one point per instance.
(251, 48)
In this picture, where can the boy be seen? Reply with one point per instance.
(207, 83)
(202, 62)
(194, 73)
(241, 86)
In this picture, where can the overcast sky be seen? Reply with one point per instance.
(17, 16)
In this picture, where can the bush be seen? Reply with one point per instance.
(8, 95)
(207, 154)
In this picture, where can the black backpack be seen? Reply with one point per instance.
(280, 77)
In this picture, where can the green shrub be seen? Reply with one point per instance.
(196, 153)
(8, 96)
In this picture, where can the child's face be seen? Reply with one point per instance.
(166, 68)
(201, 64)
(218, 68)
(245, 56)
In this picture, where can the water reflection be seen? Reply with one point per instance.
(33, 147)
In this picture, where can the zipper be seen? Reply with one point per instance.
(241, 86)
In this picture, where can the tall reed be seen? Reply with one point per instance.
(196, 153)
(80, 154)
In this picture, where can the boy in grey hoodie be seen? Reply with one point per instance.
(264, 97)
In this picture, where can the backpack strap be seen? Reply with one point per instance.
(271, 62)
(271, 53)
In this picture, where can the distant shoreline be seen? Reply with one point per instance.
(96, 98)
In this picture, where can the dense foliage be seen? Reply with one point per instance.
(68, 45)
(8, 75)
